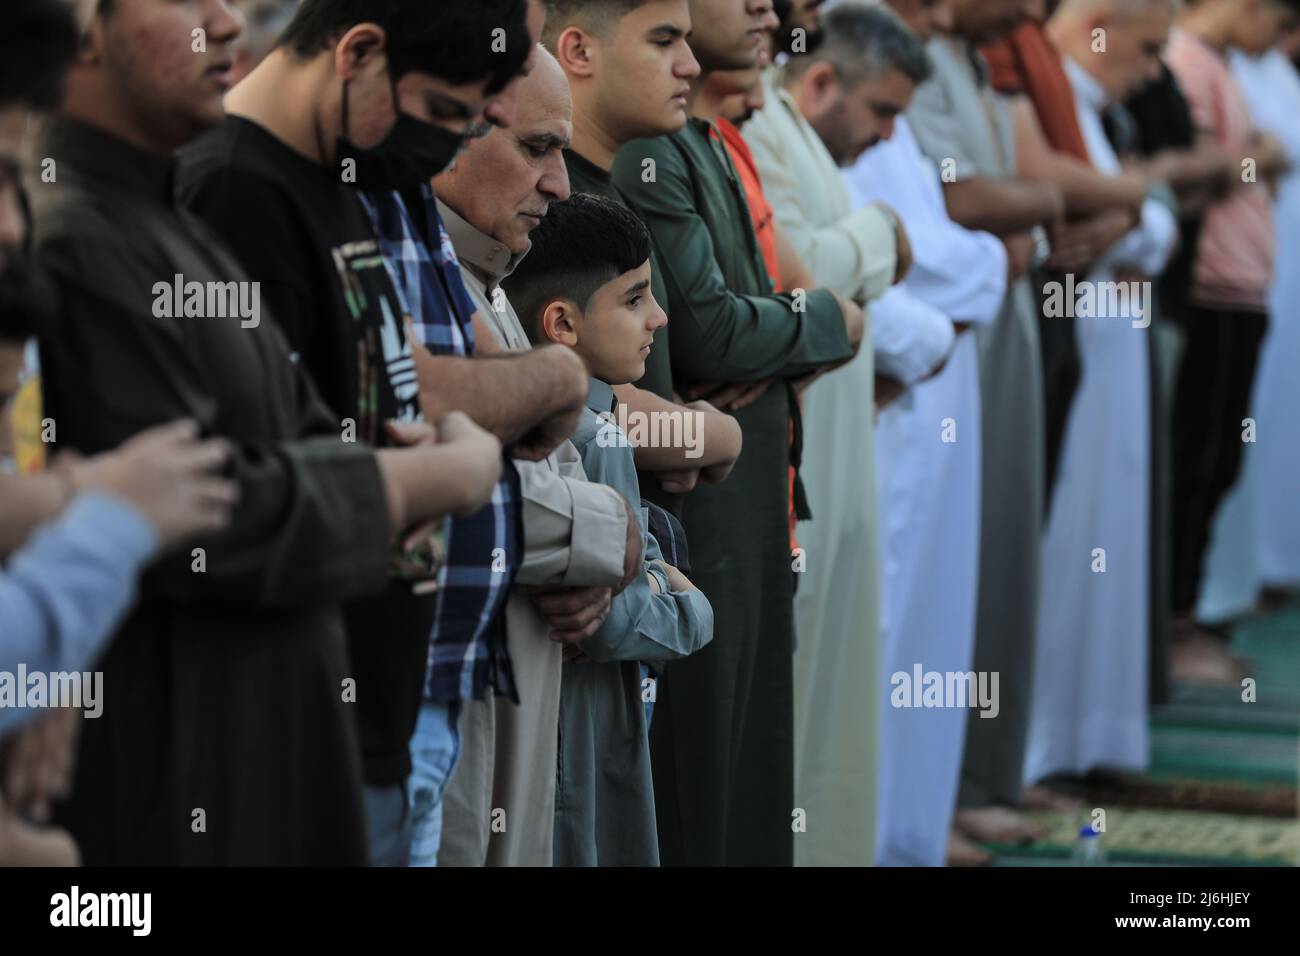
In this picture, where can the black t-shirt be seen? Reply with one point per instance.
(305, 237)
(1163, 120)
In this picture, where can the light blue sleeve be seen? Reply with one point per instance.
(64, 592)
(642, 625)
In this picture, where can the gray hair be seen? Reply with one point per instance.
(862, 42)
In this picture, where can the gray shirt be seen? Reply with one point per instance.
(604, 800)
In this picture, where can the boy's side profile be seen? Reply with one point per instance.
(585, 284)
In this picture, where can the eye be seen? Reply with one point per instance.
(537, 152)
(633, 302)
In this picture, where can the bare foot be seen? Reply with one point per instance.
(996, 825)
(1041, 798)
(962, 852)
(1197, 656)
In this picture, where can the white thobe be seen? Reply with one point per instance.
(1090, 667)
(928, 476)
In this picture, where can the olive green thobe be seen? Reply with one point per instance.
(722, 737)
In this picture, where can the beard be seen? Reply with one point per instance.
(28, 299)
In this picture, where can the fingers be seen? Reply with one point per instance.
(560, 602)
(574, 615)
(576, 636)
(414, 433)
(178, 431)
(201, 457)
(210, 503)
(750, 396)
(679, 482)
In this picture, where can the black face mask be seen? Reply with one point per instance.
(410, 155)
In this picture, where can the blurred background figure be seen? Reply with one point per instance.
(264, 21)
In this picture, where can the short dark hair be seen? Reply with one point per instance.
(595, 16)
(583, 243)
(456, 41)
(863, 41)
(38, 42)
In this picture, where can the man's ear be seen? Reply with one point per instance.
(575, 53)
(92, 34)
(358, 49)
(559, 323)
(823, 82)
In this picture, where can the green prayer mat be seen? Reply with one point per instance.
(1221, 789)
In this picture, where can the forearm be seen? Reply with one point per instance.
(29, 502)
(1085, 190)
(424, 483)
(708, 437)
(1088, 193)
(1207, 166)
(507, 394)
(1001, 206)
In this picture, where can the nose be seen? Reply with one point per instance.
(554, 184)
(688, 68)
(223, 22)
(658, 317)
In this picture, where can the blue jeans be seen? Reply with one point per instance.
(435, 748)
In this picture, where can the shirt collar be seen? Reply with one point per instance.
(477, 250)
(587, 167)
(600, 396)
(1085, 85)
(100, 157)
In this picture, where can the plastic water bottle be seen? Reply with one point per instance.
(1088, 851)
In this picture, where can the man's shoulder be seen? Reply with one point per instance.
(240, 163)
(667, 152)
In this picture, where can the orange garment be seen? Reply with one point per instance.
(764, 219)
(760, 210)
(1025, 61)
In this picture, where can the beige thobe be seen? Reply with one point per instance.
(837, 606)
(499, 806)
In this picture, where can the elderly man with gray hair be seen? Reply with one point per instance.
(826, 108)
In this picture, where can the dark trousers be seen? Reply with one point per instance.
(1062, 373)
(1212, 398)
